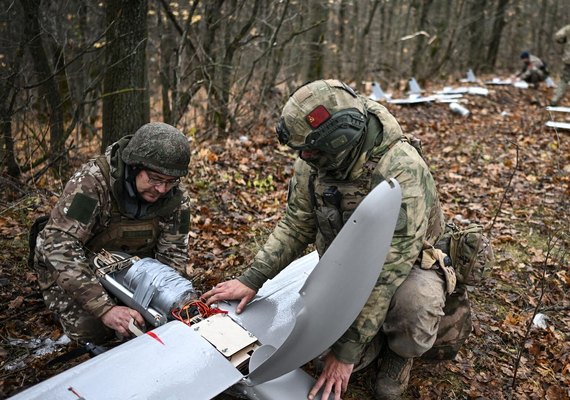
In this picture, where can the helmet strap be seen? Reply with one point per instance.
(131, 173)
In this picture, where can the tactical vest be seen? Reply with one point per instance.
(334, 201)
(121, 233)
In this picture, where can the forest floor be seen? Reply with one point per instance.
(500, 166)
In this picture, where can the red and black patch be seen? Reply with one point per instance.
(316, 117)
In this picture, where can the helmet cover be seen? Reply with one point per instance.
(159, 147)
(326, 115)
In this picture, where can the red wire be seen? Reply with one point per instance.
(204, 310)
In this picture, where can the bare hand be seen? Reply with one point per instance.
(118, 318)
(230, 290)
(334, 378)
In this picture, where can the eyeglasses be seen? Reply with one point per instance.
(156, 181)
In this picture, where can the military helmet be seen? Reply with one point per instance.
(159, 147)
(326, 115)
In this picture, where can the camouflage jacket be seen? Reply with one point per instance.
(420, 219)
(88, 209)
(563, 37)
(534, 64)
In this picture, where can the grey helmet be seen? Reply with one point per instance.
(159, 147)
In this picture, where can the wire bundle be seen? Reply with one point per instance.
(195, 311)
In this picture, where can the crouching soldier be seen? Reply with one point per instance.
(346, 145)
(129, 200)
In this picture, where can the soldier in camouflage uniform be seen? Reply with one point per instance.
(533, 70)
(347, 145)
(127, 200)
(563, 37)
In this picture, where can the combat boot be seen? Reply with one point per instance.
(393, 375)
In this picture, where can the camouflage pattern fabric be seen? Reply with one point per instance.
(78, 324)
(85, 211)
(411, 326)
(563, 37)
(471, 252)
(562, 85)
(454, 328)
(159, 147)
(420, 220)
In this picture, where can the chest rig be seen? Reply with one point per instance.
(335, 200)
(121, 233)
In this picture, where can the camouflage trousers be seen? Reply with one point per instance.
(562, 85)
(415, 312)
(77, 323)
(423, 321)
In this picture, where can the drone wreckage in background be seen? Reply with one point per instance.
(198, 352)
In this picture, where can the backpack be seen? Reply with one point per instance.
(470, 251)
(471, 256)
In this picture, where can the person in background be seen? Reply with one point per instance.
(533, 70)
(127, 199)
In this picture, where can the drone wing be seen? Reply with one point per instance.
(335, 292)
(170, 362)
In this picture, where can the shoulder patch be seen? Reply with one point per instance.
(82, 208)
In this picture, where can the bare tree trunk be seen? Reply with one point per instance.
(349, 68)
(319, 14)
(6, 111)
(220, 73)
(226, 76)
(89, 68)
(341, 36)
(166, 69)
(126, 98)
(362, 57)
(8, 87)
(274, 58)
(174, 56)
(60, 72)
(402, 31)
(387, 47)
(79, 71)
(418, 57)
(552, 25)
(167, 74)
(46, 77)
(212, 23)
(541, 41)
(476, 33)
(498, 26)
(436, 65)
